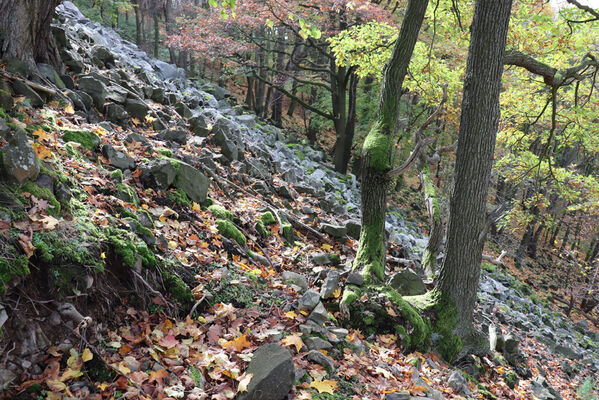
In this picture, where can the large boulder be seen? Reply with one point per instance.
(273, 374)
(118, 159)
(24, 90)
(95, 88)
(192, 182)
(115, 112)
(18, 158)
(164, 172)
(407, 283)
(48, 72)
(136, 108)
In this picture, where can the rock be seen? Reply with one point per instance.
(139, 139)
(176, 135)
(542, 391)
(218, 92)
(296, 279)
(136, 108)
(330, 285)
(324, 258)
(319, 358)
(115, 112)
(309, 300)
(336, 231)
(459, 383)
(48, 72)
(340, 333)
(19, 159)
(316, 343)
(510, 344)
(273, 374)
(6, 378)
(183, 110)
(567, 352)
(95, 88)
(319, 315)
(353, 228)
(401, 395)
(200, 125)
(6, 101)
(5, 130)
(24, 90)
(102, 54)
(18, 67)
(117, 158)
(192, 182)
(246, 120)
(407, 283)
(355, 278)
(164, 172)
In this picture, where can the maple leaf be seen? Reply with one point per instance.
(41, 151)
(293, 340)
(69, 109)
(326, 386)
(41, 134)
(168, 341)
(244, 382)
(158, 376)
(238, 344)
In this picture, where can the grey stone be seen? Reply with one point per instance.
(118, 159)
(353, 228)
(6, 378)
(319, 315)
(19, 159)
(176, 135)
(194, 183)
(246, 120)
(510, 344)
(24, 90)
(309, 300)
(5, 130)
(401, 395)
(568, 352)
(355, 278)
(200, 125)
(407, 283)
(18, 67)
(330, 285)
(183, 110)
(336, 231)
(296, 279)
(458, 382)
(103, 54)
(95, 88)
(48, 72)
(218, 92)
(115, 112)
(320, 258)
(164, 172)
(273, 374)
(136, 108)
(542, 390)
(6, 101)
(316, 343)
(319, 358)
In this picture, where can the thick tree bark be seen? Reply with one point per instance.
(467, 224)
(25, 32)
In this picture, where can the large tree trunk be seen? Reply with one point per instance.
(458, 278)
(25, 32)
(345, 135)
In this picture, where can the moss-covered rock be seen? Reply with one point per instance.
(220, 212)
(89, 140)
(129, 248)
(261, 229)
(230, 231)
(12, 265)
(268, 218)
(43, 194)
(117, 175)
(126, 193)
(179, 197)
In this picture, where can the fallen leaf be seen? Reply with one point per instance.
(69, 109)
(244, 382)
(326, 386)
(291, 314)
(70, 373)
(87, 355)
(56, 386)
(238, 344)
(293, 340)
(158, 376)
(41, 134)
(168, 341)
(41, 151)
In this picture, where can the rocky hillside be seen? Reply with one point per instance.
(160, 242)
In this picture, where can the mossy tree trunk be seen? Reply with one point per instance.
(435, 236)
(467, 225)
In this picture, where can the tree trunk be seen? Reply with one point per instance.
(25, 32)
(434, 217)
(279, 80)
(156, 35)
(339, 103)
(467, 225)
(168, 20)
(345, 137)
(138, 25)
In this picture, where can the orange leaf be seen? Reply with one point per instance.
(41, 151)
(293, 340)
(237, 344)
(326, 386)
(158, 376)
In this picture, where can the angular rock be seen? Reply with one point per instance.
(6, 101)
(103, 54)
(273, 374)
(458, 382)
(401, 395)
(200, 125)
(319, 358)
(336, 231)
(355, 278)
(353, 228)
(95, 88)
(246, 120)
(296, 279)
(19, 159)
(48, 72)
(407, 283)
(567, 352)
(183, 110)
(136, 108)
(319, 315)
(309, 300)
(176, 135)
(316, 343)
(330, 285)
(117, 158)
(24, 90)
(192, 182)
(115, 112)
(324, 258)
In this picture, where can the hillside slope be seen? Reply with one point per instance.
(155, 236)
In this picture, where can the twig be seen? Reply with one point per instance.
(169, 306)
(196, 306)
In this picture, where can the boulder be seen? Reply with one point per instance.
(459, 383)
(102, 54)
(115, 112)
(309, 300)
(319, 358)
(273, 374)
(319, 315)
(296, 279)
(407, 283)
(192, 182)
(316, 343)
(330, 285)
(19, 159)
(246, 120)
(6, 101)
(24, 90)
(353, 228)
(336, 231)
(117, 158)
(48, 72)
(542, 390)
(95, 88)
(176, 135)
(136, 108)
(200, 125)
(183, 110)
(325, 258)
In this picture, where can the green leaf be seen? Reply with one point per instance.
(213, 3)
(269, 23)
(315, 32)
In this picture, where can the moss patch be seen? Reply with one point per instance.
(126, 193)
(230, 231)
(12, 265)
(117, 175)
(43, 194)
(221, 212)
(87, 139)
(268, 218)
(261, 229)
(179, 197)
(376, 147)
(129, 248)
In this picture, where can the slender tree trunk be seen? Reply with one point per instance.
(339, 103)
(249, 96)
(467, 225)
(292, 102)
(435, 222)
(156, 35)
(168, 20)
(138, 25)
(260, 85)
(279, 80)
(25, 32)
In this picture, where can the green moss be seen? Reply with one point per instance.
(488, 267)
(43, 194)
(268, 218)
(12, 265)
(164, 151)
(419, 338)
(117, 175)
(371, 251)
(261, 229)
(54, 173)
(179, 197)
(287, 229)
(377, 147)
(230, 231)
(511, 379)
(87, 139)
(130, 248)
(220, 212)
(334, 258)
(126, 193)
(4, 115)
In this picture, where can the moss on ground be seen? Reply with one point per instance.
(130, 248)
(12, 265)
(221, 212)
(179, 197)
(43, 194)
(261, 229)
(89, 140)
(126, 193)
(117, 175)
(227, 229)
(268, 218)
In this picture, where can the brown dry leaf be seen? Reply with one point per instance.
(244, 382)
(327, 386)
(293, 340)
(318, 374)
(70, 373)
(237, 344)
(158, 376)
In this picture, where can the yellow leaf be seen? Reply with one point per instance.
(41, 151)
(87, 355)
(150, 119)
(124, 368)
(238, 344)
(53, 396)
(49, 222)
(326, 247)
(291, 314)
(337, 293)
(103, 255)
(102, 386)
(70, 373)
(326, 386)
(69, 109)
(41, 134)
(172, 244)
(244, 382)
(136, 121)
(383, 372)
(56, 386)
(293, 340)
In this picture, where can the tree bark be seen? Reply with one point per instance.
(25, 32)
(458, 278)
